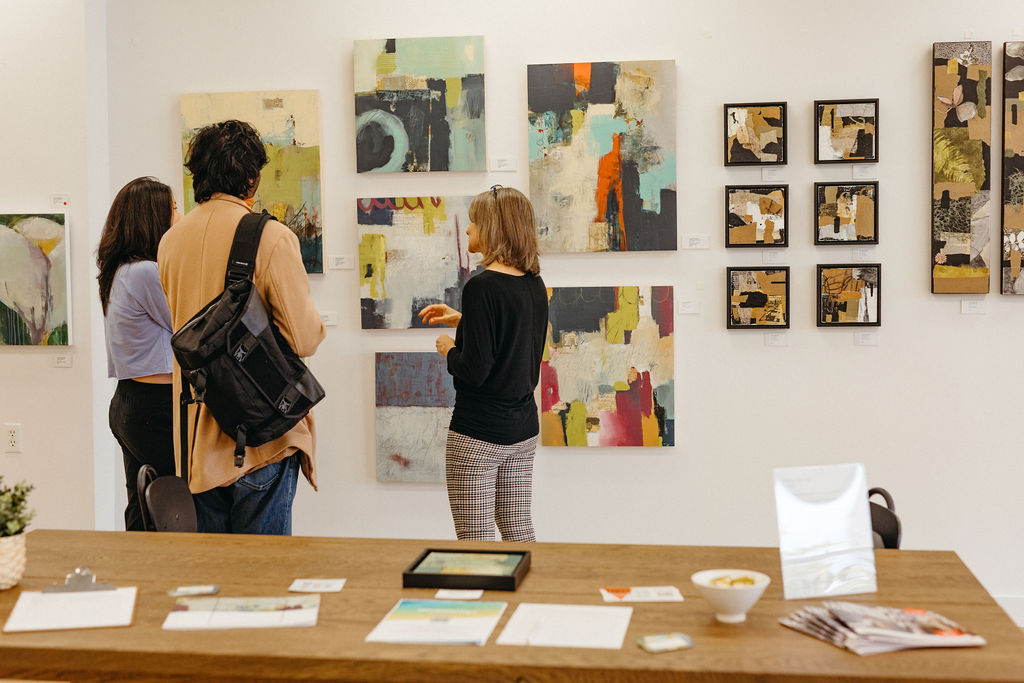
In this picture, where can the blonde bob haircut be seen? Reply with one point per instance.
(507, 228)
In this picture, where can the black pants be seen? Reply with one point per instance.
(140, 418)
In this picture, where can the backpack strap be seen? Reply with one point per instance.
(242, 259)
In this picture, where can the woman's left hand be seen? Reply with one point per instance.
(444, 344)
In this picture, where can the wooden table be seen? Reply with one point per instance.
(758, 650)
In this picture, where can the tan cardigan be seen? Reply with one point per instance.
(192, 258)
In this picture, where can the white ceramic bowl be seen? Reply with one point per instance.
(730, 602)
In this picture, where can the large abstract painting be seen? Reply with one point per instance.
(289, 123)
(414, 403)
(961, 166)
(1013, 168)
(845, 213)
(607, 378)
(603, 155)
(757, 298)
(847, 131)
(412, 252)
(755, 134)
(420, 104)
(34, 270)
(757, 215)
(849, 294)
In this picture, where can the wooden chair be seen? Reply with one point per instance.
(884, 523)
(165, 502)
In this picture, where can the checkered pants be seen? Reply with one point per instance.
(490, 483)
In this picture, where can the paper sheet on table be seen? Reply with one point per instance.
(37, 611)
(825, 543)
(438, 622)
(567, 626)
(192, 614)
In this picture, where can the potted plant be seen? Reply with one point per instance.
(14, 517)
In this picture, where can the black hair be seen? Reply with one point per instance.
(225, 157)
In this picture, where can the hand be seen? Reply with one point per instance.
(440, 313)
(444, 344)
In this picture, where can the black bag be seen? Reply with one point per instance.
(235, 358)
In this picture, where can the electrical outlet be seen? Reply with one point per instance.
(12, 442)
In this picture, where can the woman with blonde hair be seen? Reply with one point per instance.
(495, 363)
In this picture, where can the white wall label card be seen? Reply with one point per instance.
(688, 307)
(696, 242)
(865, 171)
(972, 307)
(772, 257)
(771, 173)
(865, 338)
(825, 541)
(775, 339)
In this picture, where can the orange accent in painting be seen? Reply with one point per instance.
(609, 179)
(581, 75)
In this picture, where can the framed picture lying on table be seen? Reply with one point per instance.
(757, 215)
(847, 131)
(757, 298)
(846, 213)
(849, 294)
(487, 569)
(755, 134)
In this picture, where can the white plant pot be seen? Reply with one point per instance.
(12, 560)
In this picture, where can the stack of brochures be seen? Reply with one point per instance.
(868, 630)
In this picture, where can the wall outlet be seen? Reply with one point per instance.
(12, 437)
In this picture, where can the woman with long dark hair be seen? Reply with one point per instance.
(137, 323)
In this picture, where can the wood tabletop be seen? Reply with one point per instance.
(758, 650)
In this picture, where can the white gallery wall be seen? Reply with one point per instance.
(933, 409)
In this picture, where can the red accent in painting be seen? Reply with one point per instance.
(548, 387)
(623, 426)
(661, 309)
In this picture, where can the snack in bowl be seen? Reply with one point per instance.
(731, 592)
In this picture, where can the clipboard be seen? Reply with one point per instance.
(78, 603)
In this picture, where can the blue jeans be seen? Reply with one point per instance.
(258, 503)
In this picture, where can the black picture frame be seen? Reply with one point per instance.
(742, 159)
(756, 297)
(415, 576)
(731, 218)
(819, 201)
(826, 305)
(819, 112)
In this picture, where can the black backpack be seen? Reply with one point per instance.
(232, 354)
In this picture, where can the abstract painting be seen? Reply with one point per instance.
(412, 252)
(602, 150)
(34, 277)
(414, 403)
(757, 298)
(607, 376)
(289, 124)
(847, 131)
(755, 134)
(849, 294)
(961, 166)
(846, 212)
(1013, 168)
(420, 104)
(757, 215)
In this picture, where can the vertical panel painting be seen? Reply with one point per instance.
(757, 215)
(34, 277)
(412, 253)
(845, 213)
(420, 104)
(755, 134)
(849, 294)
(757, 298)
(602, 152)
(289, 125)
(961, 166)
(607, 376)
(847, 131)
(414, 400)
(1013, 168)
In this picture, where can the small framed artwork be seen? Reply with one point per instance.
(847, 131)
(467, 569)
(846, 213)
(757, 298)
(757, 215)
(755, 134)
(849, 295)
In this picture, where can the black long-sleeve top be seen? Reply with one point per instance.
(495, 363)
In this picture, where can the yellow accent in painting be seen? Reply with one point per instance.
(959, 271)
(576, 424)
(372, 259)
(428, 211)
(386, 63)
(577, 120)
(626, 317)
(453, 90)
(649, 428)
(551, 430)
(952, 66)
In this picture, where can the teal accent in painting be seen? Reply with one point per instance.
(602, 129)
(654, 179)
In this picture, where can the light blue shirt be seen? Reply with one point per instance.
(138, 323)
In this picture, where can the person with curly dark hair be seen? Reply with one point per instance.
(137, 326)
(225, 160)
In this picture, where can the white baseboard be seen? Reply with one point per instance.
(1012, 605)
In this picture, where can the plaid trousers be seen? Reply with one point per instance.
(490, 483)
